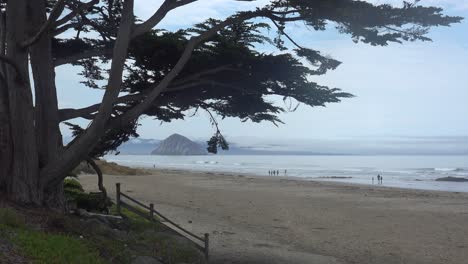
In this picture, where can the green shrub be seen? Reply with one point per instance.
(10, 218)
(72, 184)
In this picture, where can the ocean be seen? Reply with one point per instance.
(415, 172)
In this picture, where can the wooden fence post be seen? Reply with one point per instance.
(152, 211)
(207, 246)
(117, 191)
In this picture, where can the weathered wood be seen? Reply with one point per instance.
(135, 201)
(173, 226)
(134, 210)
(207, 245)
(117, 193)
(178, 226)
(152, 211)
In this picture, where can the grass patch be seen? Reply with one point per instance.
(10, 218)
(137, 223)
(45, 248)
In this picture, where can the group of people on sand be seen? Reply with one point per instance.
(276, 172)
(379, 179)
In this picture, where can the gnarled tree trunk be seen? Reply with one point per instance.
(22, 181)
(48, 136)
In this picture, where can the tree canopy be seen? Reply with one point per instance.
(216, 66)
(226, 74)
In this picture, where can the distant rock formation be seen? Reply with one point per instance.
(452, 179)
(178, 145)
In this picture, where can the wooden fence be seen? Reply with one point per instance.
(202, 243)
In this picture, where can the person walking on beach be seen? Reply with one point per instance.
(285, 172)
(372, 180)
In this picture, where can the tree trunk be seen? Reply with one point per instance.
(48, 136)
(5, 136)
(99, 174)
(22, 181)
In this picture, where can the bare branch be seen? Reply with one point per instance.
(139, 29)
(281, 29)
(167, 6)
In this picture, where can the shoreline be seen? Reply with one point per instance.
(323, 179)
(263, 220)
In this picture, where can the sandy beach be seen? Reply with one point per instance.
(285, 220)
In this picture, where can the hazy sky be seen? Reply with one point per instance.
(414, 89)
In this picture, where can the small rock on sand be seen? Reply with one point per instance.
(452, 179)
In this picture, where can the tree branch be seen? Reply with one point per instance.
(83, 55)
(75, 12)
(53, 173)
(54, 15)
(162, 11)
(86, 112)
(139, 29)
(137, 110)
(98, 171)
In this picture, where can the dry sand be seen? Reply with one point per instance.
(280, 220)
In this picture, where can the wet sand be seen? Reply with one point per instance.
(284, 220)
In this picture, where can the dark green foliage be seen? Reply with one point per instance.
(111, 140)
(217, 141)
(227, 75)
(75, 194)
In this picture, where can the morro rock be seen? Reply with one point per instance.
(178, 145)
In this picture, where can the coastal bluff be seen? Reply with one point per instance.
(178, 145)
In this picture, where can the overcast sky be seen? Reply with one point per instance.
(415, 89)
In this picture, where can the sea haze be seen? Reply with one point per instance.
(406, 171)
(341, 146)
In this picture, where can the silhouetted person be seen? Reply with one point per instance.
(285, 172)
(277, 172)
(372, 180)
(381, 180)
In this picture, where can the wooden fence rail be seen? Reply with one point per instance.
(205, 240)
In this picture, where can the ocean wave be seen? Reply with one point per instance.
(442, 169)
(206, 162)
(449, 169)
